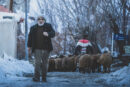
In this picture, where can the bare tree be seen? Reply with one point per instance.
(75, 16)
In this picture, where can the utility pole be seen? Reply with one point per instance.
(11, 6)
(65, 42)
(112, 44)
(26, 29)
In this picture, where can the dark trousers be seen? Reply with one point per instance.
(41, 63)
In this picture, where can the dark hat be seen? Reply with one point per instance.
(40, 17)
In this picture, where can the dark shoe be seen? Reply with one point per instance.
(36, 79)
(44, 79)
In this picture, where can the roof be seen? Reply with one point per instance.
(3, 9)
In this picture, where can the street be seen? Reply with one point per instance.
(60, 79)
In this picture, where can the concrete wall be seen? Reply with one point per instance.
(8, 37)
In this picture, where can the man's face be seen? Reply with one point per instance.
(41, 20)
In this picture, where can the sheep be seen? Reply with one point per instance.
(51, 66)
(69, 63)
(95, 66)
(58, 64)
(105, 60)
(85, 63)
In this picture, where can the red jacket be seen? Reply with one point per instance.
(83, 47)
(84, 43)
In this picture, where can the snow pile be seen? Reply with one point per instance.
(12, 67)
(118, 78)
(122, 76)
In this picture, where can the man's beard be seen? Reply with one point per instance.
(40, 24)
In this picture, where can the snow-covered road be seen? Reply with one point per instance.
(60, 79)
(18, 73)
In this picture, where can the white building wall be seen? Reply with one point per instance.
(8, 37)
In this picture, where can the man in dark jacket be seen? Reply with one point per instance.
(39, 41)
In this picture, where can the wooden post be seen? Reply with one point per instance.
(11, 5)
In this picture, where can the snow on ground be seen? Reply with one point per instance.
(11, 67)
(122, 76)
(12, 70)
(119, 78)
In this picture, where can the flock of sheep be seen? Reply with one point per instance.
(84, 63)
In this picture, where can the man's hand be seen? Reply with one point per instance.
(45, 34)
